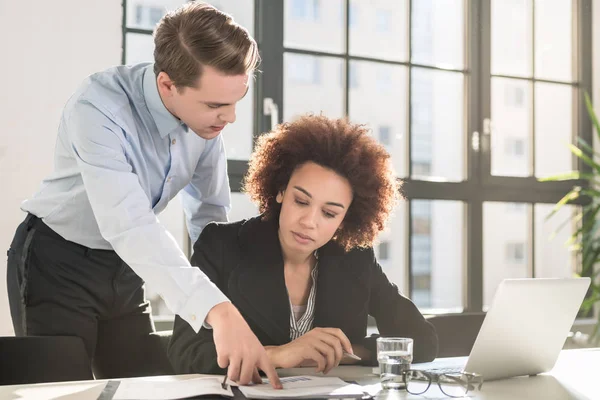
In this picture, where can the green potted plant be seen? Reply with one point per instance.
(586, 239)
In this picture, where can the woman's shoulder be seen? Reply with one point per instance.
(238, 232)
(229, 227)
(335, 250)
(358, 261)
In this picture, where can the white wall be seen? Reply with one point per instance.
(47, 49)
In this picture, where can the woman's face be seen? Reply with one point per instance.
(313, 207)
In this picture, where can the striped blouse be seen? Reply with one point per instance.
(300, 326)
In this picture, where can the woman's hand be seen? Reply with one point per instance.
(321, 346)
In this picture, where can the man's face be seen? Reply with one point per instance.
(207, 108)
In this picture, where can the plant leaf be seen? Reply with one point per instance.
(584, 157)
(591, 113)
(568, 176)
(587, 147)
(572, 195)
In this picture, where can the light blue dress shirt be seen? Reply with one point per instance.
(120, 157)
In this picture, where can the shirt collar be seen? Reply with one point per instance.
(165, 121)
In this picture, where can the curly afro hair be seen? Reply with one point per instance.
(341, 146)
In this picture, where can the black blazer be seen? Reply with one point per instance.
(244, 260)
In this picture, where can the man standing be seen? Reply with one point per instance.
(129, 140)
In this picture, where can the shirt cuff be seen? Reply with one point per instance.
(199, 304)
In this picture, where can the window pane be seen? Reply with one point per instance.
(238, 136)
(241, 207)
(553, 39)
(242, 11)
(379, 29)
(552, 256)
(314, 25)
(303, 76)
(391, 250)
(145, 14)
(511, 133)
(387, 84)
(438, 32)
(437, 247)
(138, 48)
(506, 244)
(553, 128)
(511, 37)
(438, 147)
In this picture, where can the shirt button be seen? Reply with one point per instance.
(173, 141)
(169, 179)
(193, 317)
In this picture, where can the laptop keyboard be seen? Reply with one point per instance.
(443, 366)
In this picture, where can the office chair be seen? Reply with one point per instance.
(36, 359)
(456, 332)
(148, 359)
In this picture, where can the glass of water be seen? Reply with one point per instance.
(394, 355)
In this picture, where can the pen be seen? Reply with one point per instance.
(353, 356)
(224, 383)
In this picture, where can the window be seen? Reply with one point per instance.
(515, 147)
(513, 82)
(516, 207)
(476, 213)
(422, 283)
(305, 9)
(385, 136)
(384, 248)
(383, 21)
(354, 72)
(139, 14)
(352, 79)
(421, 168)
(515, 253)
(155, 15)
(421, 293)
(304, 70)
(514, 96)
(146, 17)
(353, 15)
(384, 79)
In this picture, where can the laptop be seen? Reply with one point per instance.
(523, 331)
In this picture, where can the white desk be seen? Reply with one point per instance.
(575, 376)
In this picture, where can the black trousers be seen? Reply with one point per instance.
(58, 287)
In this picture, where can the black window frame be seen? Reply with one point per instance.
(479, 185)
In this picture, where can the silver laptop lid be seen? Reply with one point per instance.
(526, 326)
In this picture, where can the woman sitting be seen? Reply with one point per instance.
(303, 273)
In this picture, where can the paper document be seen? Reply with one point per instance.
(304, 386)
(170, 390)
